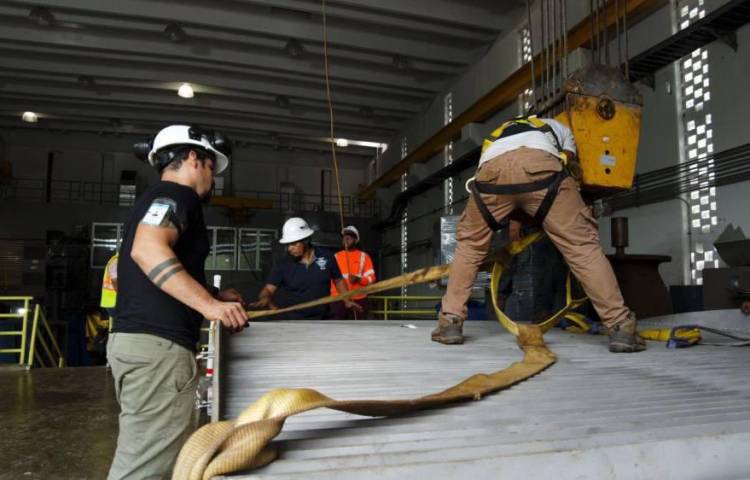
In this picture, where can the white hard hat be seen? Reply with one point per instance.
(351, 229)
(175, 135)
(294, 230)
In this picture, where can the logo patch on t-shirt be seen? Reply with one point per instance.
(161, 213)
(321, 262)
(156, 214)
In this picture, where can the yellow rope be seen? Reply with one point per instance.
(331, 117)
(332, 135)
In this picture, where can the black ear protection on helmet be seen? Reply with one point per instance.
(142, 149)
(216, 139)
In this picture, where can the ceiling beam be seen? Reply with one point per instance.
(436, 20)
(158, 49)
(74, 94)
(262, 22)
(53, 62)
(241, 140)
(11, 106)
(501, 96)
(489, 15)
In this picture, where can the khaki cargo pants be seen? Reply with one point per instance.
(569, 224)
(155, 383)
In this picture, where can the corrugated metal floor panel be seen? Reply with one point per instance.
(662, 413)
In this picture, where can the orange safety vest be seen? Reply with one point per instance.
(360, 265)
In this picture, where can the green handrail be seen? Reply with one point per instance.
(388, 310)
(51, 360)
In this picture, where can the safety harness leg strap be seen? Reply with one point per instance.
(486, 214)
(551, 184)
(549, 197)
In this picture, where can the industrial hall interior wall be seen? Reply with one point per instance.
(661, 227)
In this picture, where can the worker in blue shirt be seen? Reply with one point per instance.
(305, 274)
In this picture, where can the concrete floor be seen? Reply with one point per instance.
(57, 423)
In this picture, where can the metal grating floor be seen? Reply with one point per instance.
(658, 414)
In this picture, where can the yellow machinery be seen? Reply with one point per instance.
(604, 112)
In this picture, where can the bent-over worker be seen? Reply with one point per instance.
(522, 168)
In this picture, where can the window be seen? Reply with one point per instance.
(448, 153)
(525, 98)
(255, 249)
(223, 252)
(105, 240)
(696, 98)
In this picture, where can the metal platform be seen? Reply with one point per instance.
(658, 414)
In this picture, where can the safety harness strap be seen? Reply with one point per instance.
(521, 125)
(549, 197)
(551, 183)
(486, 214)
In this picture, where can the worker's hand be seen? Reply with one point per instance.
(231, 314)
(355, 279)
(576, 171)
(264, 303)
(745, 307)
(230, 295)
(514, 231)
(353, 306)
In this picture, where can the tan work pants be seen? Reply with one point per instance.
(569, 224)
(155, 383)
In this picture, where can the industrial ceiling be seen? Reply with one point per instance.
(256, 66)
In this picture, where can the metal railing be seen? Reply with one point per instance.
(39, 334)
(21, 314)
(391, 306)
(54, 355)
(79, 191)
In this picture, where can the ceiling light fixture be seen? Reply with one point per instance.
(175, 33)
(294, 48)
(30, 117)
(186, 91)
(42, 16)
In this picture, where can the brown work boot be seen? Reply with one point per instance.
(623, 337)
(449, 330)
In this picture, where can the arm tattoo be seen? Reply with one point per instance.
(161, 267)
(168, 274)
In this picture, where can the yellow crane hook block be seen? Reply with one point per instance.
(603, 110)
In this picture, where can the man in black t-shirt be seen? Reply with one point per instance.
(162, 300)
(304, 275)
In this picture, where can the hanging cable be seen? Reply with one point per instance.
(332, 132)
(605, 29)
(553, 10)
(625, 29)
(565, 37)
(617, 30)
(543, 51)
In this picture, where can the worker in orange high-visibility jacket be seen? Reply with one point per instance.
(357, 270)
